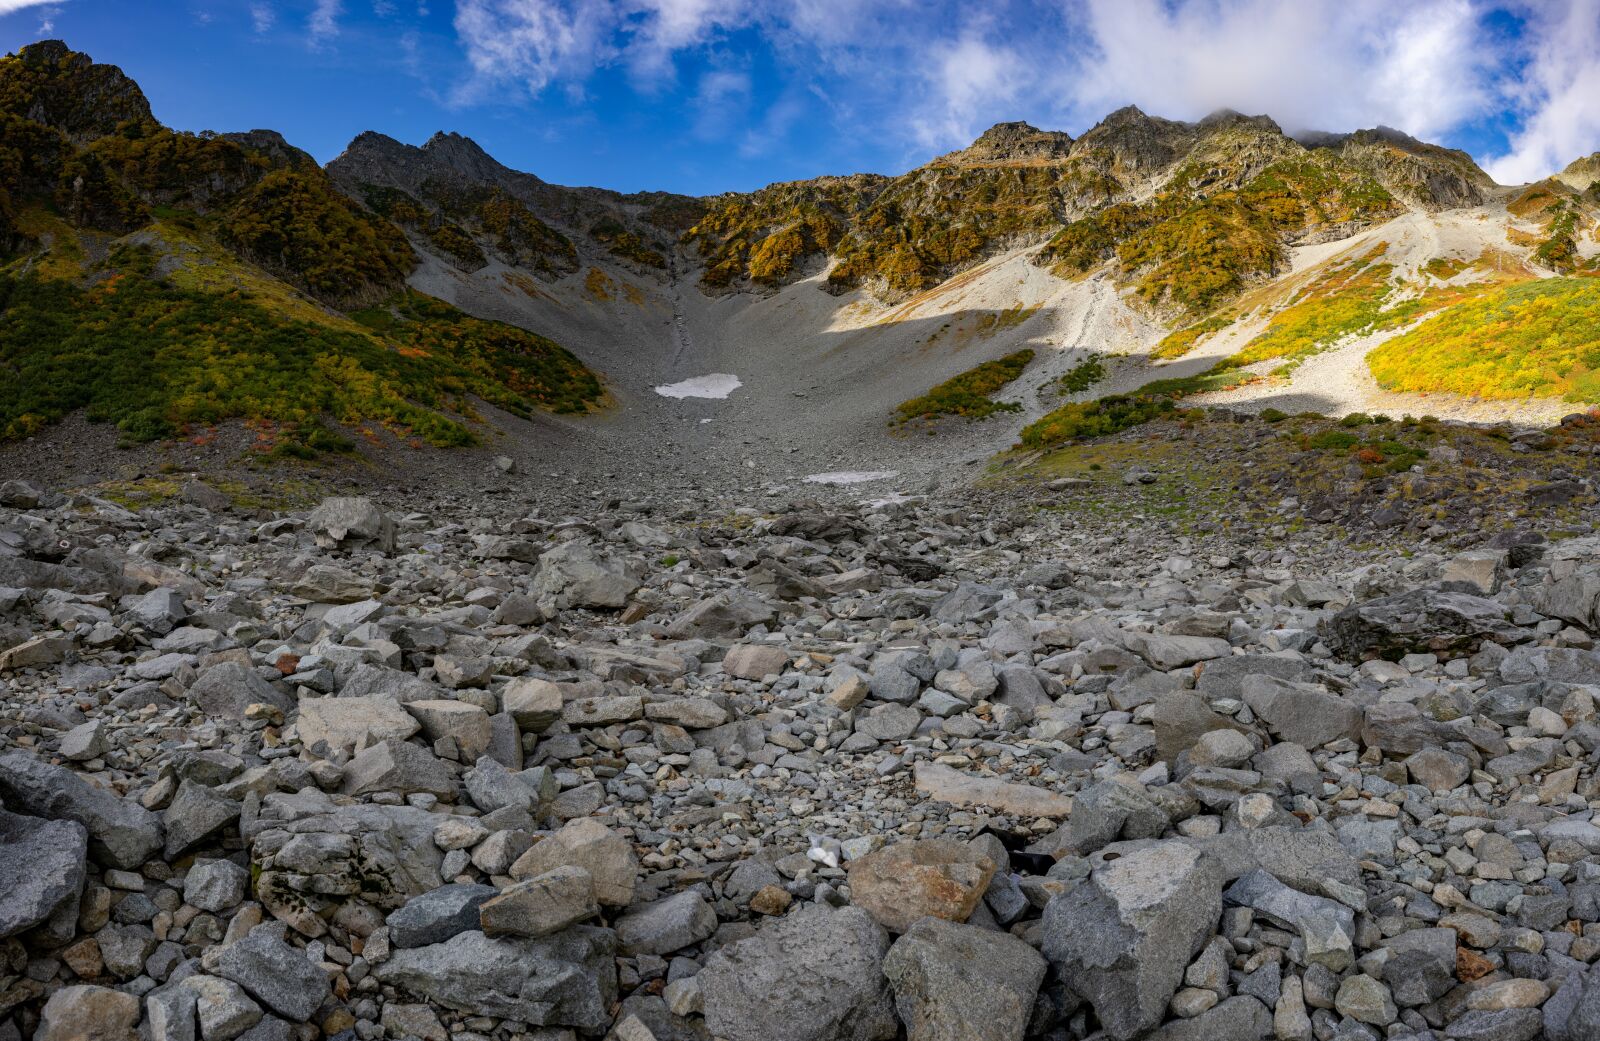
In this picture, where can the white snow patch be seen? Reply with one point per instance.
(852, 476)
(717, 385)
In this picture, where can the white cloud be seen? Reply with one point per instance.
(1559, 98)
(1312, 64)
(324, 24)
(13, 6)
(932, 74)
(262, 17)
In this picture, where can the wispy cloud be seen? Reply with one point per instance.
(324, 23)
(262, 17)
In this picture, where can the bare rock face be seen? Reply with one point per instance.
(911, 880)
(1011, 143)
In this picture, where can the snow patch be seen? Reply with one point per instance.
(852, 476)
(717, 386)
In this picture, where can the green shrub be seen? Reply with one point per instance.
(1080, 421)
(1272, 415)
(1082, 376)
(968, 395)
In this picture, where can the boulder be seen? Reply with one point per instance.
(753, 661)
(273, 973)
(1305, 715)
(901, 883)
(1422, 620)
(42, 868)
(398, 766)
(666, 925)
(816, 975)
(569, 979)
(1123, 939)
(439, 915)
(960, 788)
(961, 983)
(577, 574)
(534, 703)
(347, 724)
(349, 522)
(122, 834)
(83, 1013)
(225, 691)
(541, 905)
(586, 843)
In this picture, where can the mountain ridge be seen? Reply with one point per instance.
(1171, 229)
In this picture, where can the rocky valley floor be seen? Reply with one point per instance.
(1218, 728)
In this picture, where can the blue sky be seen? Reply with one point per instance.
(702, 96)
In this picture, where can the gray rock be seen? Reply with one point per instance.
(568, 979)
(962, 983)
(1511, 1024)
(398, 766)
(816, 975)
(726, 615)
(42, 867)
(586, 843)
(1236, 1019)
(274, 973)
(84, 1013)
(222, 1007)
(438, 916)
(1306, 715)
(1327, 927)
(122, 834)
(1422, 966)
(667, 925)
(1123, 939)
(542, 905)
(169, 1014)
(215, 885)
(196, 816)
(578, 574)
(225, 691)
(345, 523)
(1421, 620)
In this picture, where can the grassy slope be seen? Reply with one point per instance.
(1531, 338)
(227, 267)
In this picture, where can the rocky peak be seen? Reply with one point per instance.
(1014, 142)
(55, 86)
(272, 144)
(1225, 118)
(1582, 173)
(1427, 175)
(1128, 141)
(467, 157)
